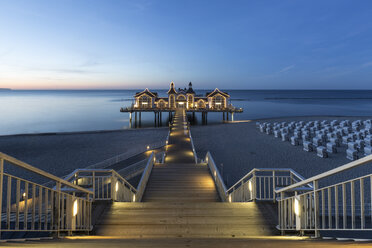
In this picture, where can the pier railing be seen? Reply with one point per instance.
(192, 142)
(258, 184)
(29, 206)
(107, 184)
(346, 205)
(130, 153)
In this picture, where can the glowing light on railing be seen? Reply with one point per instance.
(134, 198)
(297, 207)
(75, 208)
(116, 186)
(147, 147)
(229, 198)
(214, 173)
(24, 195)
(250, 186)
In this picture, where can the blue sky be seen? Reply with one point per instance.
(75, 44)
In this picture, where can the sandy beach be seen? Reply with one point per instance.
(236, 148)
(240, 147)
(61, 153)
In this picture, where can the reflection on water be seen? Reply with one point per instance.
(67, 111)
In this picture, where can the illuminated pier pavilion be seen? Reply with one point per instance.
(147, 101)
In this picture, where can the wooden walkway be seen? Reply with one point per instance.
(181, 208)
(181, 200)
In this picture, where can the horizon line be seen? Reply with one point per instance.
(110, 89)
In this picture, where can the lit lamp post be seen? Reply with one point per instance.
(297, 211)
(250, 188)
(74, 213)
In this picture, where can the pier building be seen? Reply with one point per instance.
(181, 98)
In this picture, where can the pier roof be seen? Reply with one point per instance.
(148, 92)
(217, 91)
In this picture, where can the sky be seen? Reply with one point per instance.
(119, 44)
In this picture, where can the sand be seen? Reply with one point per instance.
(240, 147)
(60, 154)
(236, 147)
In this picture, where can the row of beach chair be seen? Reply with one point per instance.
(324, 137)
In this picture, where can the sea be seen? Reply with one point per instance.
(46, 111)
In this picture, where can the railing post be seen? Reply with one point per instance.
(316, 209)
(113, 187)
(298, 212)
(254, 188)
(94, 184)
(281, 213)
(274, 186)
(58, 202)
(1, 189)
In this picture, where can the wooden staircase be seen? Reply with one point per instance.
(180, 183)
(185, 220)
(181, 200)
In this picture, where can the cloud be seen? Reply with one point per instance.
(285, 69)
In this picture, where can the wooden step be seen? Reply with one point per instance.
(161, 219)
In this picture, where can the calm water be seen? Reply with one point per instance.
(65, 111)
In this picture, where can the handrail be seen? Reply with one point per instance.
(323, 175)
(256, 184)
(250, 173)
(111, 185)
(77, 171)
(31, 168)
(192, 143)
(145, 177)
(220, 185)
(126, 155)
(63, 207)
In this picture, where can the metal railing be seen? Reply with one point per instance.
(345, 205)
(192, 143)
(29, 206)
(130, 153)
(218, 180)
(258, 184)
(107, 184)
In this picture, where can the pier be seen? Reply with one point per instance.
(181, 200)
(186, 99)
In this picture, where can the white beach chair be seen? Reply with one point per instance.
(317, 141)
(305, 137)
(294, 141)
(367, 142)
(269, 130)
(277, 134)
(352, 146)
(351, 154)
(345, 140)
(321, 152)
(335, 141)
(367, 150)
(360, 145)
(331, 147)
(308, 146)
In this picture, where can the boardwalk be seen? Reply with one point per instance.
(179, 145)
(181, 201)
(181, 208)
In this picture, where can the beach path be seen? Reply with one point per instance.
(181, 200)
